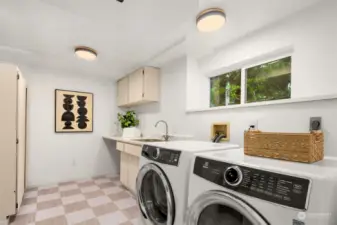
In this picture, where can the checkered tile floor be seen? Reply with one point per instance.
(100, 201)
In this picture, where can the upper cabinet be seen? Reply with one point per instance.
(136, 86)
(141, 86)
(123, 91)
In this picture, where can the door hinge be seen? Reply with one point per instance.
(18, 76)
(143, 95)
(17, 141)
(16, 205)
(143, 72)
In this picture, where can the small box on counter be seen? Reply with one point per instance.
(297, 147)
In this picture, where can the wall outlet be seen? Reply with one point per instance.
(254, 123)
(315, 123)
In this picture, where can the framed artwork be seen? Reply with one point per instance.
(73, 111)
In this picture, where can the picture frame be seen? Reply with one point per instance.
(74, 111)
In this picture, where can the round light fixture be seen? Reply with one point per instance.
(211, 19)
(86, 53)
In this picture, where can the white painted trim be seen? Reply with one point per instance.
(271, 59)
(254, 61)
(243, 87)
(267, 103)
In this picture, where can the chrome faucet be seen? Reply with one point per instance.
(166, 136)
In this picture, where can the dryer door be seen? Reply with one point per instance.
(155, 196)
(221, 208)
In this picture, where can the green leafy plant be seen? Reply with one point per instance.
(129, 119)
(219, 92)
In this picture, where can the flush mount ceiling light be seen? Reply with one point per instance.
(211, 19)
(85, 53)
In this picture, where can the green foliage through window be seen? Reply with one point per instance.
(269, 81)
(226, 89)
(265, 82)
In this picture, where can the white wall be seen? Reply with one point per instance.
(171, 106)
(279, 118)
(56, 157)
(312, 36)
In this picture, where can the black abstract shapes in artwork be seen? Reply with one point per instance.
(82, 112)
(68, 116)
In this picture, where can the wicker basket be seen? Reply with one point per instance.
(298, 147)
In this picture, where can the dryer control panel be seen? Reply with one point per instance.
(273, 187)
(161, 155)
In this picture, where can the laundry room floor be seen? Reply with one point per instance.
(98, 201)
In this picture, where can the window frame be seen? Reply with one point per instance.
(243, 68)
(223, 74)
(244, 73)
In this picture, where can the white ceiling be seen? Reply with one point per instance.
(42, 33)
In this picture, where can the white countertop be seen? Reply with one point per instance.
(131, 141)
(135, 141)
(193, 145)
(185, 145)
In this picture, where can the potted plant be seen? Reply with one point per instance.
(129, 123)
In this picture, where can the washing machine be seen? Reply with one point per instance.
(162, 182)
(229, 188)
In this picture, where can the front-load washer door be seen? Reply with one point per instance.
(221, 208)
(155, 196)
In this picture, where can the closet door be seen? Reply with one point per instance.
(8, 118)
(21, 147)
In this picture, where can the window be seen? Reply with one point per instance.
(269, 81)
(264, 82)
(226, 89)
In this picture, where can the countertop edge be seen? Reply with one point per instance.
(124, 140)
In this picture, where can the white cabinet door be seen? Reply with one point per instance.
(142, 86)
(124, 165)
(123, 91)
(120, 146)
(133, 172)
(21, 147)
(151, 84)
(134, 150)
(8, 121)
(136, 86)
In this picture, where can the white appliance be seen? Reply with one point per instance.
(227, 187)
(162, 181)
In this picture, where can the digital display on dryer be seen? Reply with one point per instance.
(278, 188)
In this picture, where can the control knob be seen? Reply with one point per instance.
(156, 153)
(233, 176)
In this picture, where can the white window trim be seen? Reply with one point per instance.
(244, 73)
(243, 87)
(243, 69)
(267, 103)
(254, 61)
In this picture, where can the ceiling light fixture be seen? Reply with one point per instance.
(86, 53)
(211, 19)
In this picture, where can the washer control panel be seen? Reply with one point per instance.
(161, 155)
(273, 187)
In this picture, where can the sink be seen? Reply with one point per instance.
(148, 140)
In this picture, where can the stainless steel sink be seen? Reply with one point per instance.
(148, 140)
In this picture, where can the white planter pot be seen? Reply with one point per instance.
(131, 132)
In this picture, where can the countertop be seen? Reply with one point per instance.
(126, 140)
(132, 141)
